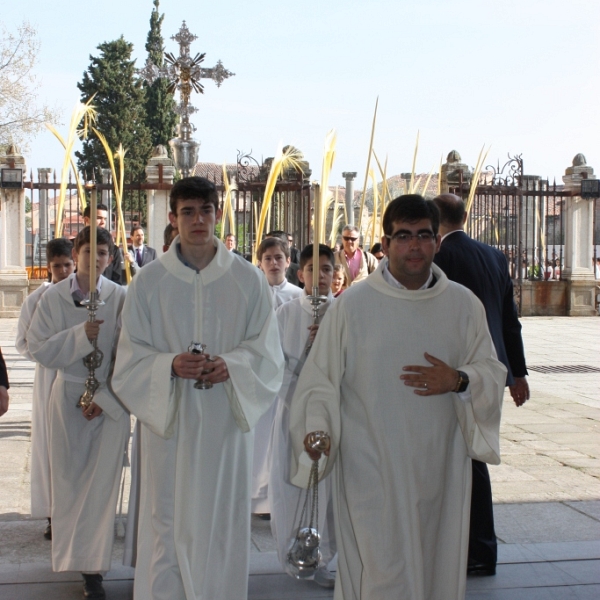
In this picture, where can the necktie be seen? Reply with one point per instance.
(138, 257)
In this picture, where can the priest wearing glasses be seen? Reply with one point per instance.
(408, 397)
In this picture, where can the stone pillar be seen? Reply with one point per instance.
(158, 199)
(349, 177)
(43, 177)
(579, 217)
(453, 172)
(13, 275)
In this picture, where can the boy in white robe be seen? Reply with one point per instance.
(297, 331)
(59, 253)
(196, 444)
(273, 260)
(87, 445)
(408, 396)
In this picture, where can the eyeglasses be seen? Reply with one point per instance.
(403, 238)
(348, 238)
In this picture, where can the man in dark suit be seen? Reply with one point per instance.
(484, 271)
(138, 254)
(3, 386)
(116, 266)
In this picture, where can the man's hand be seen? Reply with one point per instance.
(3, 400)
(519, 391)
(217, 370)
(189, 366)
(439, 379)
(313, 333)
(92, 411)
(92, 329)
(315, 454)
(128, 257)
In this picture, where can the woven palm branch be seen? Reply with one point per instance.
(81, 112)
(283, 160)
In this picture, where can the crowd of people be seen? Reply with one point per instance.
(404, 370)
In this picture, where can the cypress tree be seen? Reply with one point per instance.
(120, 103)
(160, 116)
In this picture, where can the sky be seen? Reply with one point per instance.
(521, 76)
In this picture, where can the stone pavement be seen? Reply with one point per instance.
(546, 491)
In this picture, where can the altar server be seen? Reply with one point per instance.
(407, 396)
(59, 253)
(194, 522)
(297, 331)
(87, 446)
(273, 260)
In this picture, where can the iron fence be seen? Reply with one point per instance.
(290, 207)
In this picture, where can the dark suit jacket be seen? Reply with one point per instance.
(115, 268)
(148, 254)
(3, 372)
(484, 271)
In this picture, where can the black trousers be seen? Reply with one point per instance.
(482, 536)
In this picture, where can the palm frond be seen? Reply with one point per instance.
(282, 161)
(227, 205)
(364, 192)
(80, 112)
(475, 178)
(414, 165)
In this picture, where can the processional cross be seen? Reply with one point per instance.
(184, 74)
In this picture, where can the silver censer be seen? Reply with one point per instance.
(199, 348)
(94, 359)
(304, 555)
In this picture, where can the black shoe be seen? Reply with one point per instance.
(264, 516)
(48, 532)
(92, 586)
(484, 569)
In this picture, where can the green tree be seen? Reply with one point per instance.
(121, 117)
(160, 115)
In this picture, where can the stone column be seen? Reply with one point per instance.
(578, 221)
(349, 177)
(13, 275)
(158, 198)
(43, 177)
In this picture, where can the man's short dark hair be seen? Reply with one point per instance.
(410, 208)
(103, 237)
(307, 254)
(168, 236)
(375, 248)
(277, 233)
(58, 247)
(272, 242)
(194, 188)
(87, 210)
(452, 209)
(230, 235)
(135, 228)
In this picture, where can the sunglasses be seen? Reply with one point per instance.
(349, 239)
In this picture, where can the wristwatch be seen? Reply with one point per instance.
(463, 382)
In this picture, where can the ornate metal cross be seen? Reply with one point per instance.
(184, 74)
